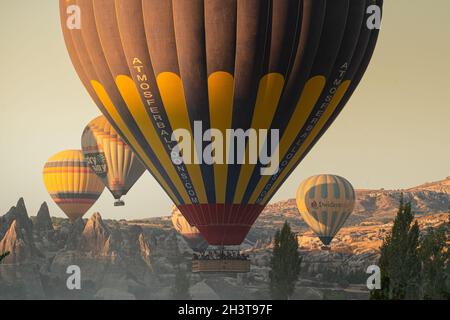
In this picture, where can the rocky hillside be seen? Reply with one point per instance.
(442, 186)
(138, 259)
(372, 205)
(42, 249)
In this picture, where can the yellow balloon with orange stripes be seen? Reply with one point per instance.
(325, 202)
(72, 185)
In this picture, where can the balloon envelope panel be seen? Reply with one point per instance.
(154, 66)
(325, 202)
(71, 183)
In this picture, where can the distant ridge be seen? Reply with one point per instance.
(376, 205)
(438, 186)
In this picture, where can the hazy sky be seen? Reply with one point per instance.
(397, 122)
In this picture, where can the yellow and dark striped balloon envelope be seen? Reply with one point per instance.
(191, 234)
(155, 66)
(110, 158)
(325, 202)
(71, 183)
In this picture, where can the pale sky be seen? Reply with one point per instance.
(394, 133)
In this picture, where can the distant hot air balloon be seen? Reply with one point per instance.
(190, 234)
(155, 66)
(71, 183)
(111, 159)
(325, 202)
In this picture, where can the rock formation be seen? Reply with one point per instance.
(16, 235)
(145, 250)
(96, 237)
(17, 242)
(19, 214)
(43, 221)
(73, 232)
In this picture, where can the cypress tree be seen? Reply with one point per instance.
(435, 255)
(399, 262)
(180, 290)
(284, 264)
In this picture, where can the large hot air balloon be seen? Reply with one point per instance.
(325, 202)
(71, 183)
(156, 66)
(190, 234)
(110, 158)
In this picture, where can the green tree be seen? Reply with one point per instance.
(3, 256)
(435, 254)
(285, 264)
(400, 262)
(180, 290)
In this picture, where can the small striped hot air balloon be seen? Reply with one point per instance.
(190, 234)
(71, 183)
(111, 159)
(325, 202)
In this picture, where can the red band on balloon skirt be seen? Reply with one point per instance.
(222, 224)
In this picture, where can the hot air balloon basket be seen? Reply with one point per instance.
(220, 266)
(119, 203)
